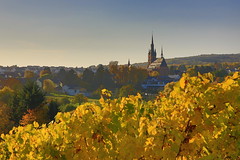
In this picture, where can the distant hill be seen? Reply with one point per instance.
(199, 60)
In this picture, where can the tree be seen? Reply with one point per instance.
(108, 81)
(71, 78)
(124, 75)
(79, 98)
(88, 75)
(52, 109)
(5, 119)
(220, 73)
(62, 75)
(87, 79)
(49, 85)
(30, 97)
(45, 71)
(113, 67)
(28, 118)
(103, 78)
(38, 114)
(99, 75)
(6, 95)
(12, 83)
(6, 123)
(28, 74)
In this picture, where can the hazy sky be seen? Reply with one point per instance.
(91, 32)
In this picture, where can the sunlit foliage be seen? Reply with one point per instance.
(199, 119)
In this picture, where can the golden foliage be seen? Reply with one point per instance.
(198, 120)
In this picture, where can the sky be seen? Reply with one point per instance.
(78, 33)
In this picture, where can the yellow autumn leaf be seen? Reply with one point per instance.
(182, 82)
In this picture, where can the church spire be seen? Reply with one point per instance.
(152, 53)
(161, 52)
(129, 64)
(152, 38)
(152, 45)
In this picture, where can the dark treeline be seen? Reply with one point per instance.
(112, 78)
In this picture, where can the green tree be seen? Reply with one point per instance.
(99, 75)
(61, 75)
(69, 77)
(30, 97)
(73, 78)
(87, 79)
(103, 78)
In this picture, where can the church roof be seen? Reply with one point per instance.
(159, 62)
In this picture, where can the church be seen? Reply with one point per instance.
(157, 64)
(160, 66)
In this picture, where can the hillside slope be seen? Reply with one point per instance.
(200, 59)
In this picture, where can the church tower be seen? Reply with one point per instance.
(152, 55)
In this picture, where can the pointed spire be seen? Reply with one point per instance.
(129, 64)
(161, 52)
(152, 45)
(152, 38)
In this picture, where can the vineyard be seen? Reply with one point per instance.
(200, 119)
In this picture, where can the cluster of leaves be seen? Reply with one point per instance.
(199, 119)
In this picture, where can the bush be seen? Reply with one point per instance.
(79, 98)
(68, 107)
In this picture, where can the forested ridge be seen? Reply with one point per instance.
(200, 59)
